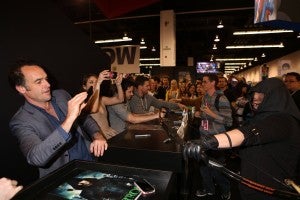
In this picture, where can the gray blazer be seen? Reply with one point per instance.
(40, 142)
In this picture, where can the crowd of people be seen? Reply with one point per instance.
(53, 127)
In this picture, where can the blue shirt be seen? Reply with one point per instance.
(77, 148)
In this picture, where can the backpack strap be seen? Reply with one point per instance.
(217, 100)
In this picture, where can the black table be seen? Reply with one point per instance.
(151, 145)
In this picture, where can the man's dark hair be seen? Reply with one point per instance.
(140, 80)
(295, 74)
(213, 77)
(15, 76)
(126, 83)
(155, 78)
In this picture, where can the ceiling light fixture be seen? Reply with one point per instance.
(220, 25)
(124, 39)
(298, 36)
(263, 55)
(232, 67)
(112, 40)
(150, 64)
(153, 49)
(255, 59)
(233, 59)
(261, 32)
(240, 63)
(256, 46)
(143, 59)
(143, 47)
(142, 41)
(215, 46)
(217, 39)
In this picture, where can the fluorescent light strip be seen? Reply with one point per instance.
(113, 40)
(255, 46)
(233, 59)
(155, 64)
(143, 47)
(149, 59)
(261, 32)
(232, 67)
(241, 63)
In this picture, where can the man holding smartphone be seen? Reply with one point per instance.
(47, 126)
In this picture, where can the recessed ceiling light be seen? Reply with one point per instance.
(220, 25)
(217, 39)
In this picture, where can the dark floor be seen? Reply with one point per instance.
(194, 180)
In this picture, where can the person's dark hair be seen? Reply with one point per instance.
(155, 78)
(86, 77)
(295, 74)
(107, 89)
(213, 77)
(126, 83)
(15, 75)
(222, 77)
(140, 80)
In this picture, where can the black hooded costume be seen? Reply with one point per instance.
(271, 149)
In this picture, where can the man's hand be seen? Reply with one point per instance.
(119, 79)
(104, 75)
(182, 107)
(8, 188)
(99, 145)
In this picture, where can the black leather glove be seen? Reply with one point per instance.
(196, 148)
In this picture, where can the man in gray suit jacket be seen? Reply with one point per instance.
(48, 127)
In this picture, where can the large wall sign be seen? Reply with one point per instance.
(124, 59)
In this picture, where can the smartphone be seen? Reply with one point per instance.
(144, 186)
(89, 92)
(113, 75)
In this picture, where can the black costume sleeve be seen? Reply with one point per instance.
(270, 129)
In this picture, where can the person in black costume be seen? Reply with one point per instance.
(269, 142)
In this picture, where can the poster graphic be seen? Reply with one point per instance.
(92, 185)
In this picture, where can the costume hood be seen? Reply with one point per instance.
(276, 98)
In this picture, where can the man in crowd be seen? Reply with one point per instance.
(120, 114)
(214, 120)
(162, 89)
(292, 82)
(141, 100)
(48, 128)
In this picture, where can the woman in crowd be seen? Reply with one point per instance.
(105, 94)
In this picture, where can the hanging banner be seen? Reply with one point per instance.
(124, 59)
(167, 38)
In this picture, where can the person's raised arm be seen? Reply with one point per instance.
(119, 98)
(95, 99)
(196, 148)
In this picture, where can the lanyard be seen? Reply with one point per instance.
(144, 105)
